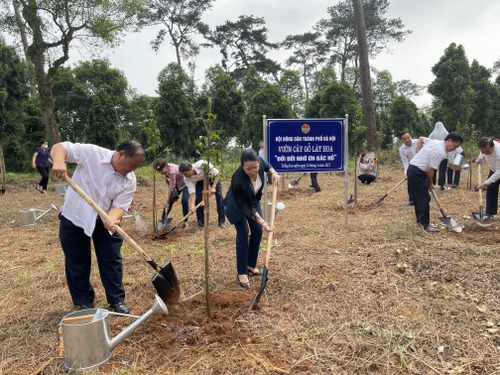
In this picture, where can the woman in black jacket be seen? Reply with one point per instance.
(244, 212)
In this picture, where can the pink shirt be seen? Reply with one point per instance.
(173, 178)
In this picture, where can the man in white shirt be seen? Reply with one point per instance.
(407, 151)
(421, 171)
(490, 151)
(108, 178)
(261, 149)
(193, 176)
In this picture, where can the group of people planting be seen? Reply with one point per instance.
(424, 156)
(108, 178)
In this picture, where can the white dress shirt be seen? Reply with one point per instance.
(198, 176)
(493, 162)
(96, 176)
(407, 153)
(430, 156)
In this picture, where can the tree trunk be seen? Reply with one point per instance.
(36, 54)
(366, 87)
(2, 167)
(24, 40)
(206, 207)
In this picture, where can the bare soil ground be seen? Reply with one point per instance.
(378, 296)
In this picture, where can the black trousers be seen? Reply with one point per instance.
(76, 247)
(442, 173)
(420, 189)
(453, 180)
(218, 200)
(492, 197)
(44, 172)
(314, 182)
(184, 194)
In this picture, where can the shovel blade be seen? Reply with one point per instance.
(482, 219)
(166, 284)
(452, 224)
(293, 183)
(260, 291)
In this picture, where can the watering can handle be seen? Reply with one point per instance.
(104, 215)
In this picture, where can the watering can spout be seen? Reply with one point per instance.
(52, 207)
(158, 306)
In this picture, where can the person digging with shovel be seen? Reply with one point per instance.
(243, 210)
(421, 172)
(108, 178)
(176, 188)
(490, 152)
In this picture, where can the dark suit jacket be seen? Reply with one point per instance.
(235, 213)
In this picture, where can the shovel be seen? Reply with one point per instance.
(172, 226)
(265, 273)
(390, 191)
(165, 280)
(295, 182)
(482, 219)
(452, 224)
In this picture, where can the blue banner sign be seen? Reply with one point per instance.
(306, 145)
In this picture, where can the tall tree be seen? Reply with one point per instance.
(244, 43)
(54, 26)
(290, 86)
(181, 20)
(14, 90)
(322, 78)
(251, 83)
(227, 104)
(366, 82)
(102, 128)
(74, 91)
(452, 89)
(307, 55)
(174, 112)
(484, 110)
(339, 33)
(336, 101)
(267, 101)
(408, 89)
(404, 117)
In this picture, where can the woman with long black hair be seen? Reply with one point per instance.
(244, 212)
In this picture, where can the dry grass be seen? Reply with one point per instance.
(379, 296)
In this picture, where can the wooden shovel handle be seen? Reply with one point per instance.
(190, 213)
(104, 215)
(395, 186)
(479, 177)
(271, 224)
(437, 200)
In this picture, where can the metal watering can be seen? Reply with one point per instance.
(86, 337)
(134, 216)
(28, 216)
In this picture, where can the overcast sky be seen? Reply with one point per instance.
(435, 24)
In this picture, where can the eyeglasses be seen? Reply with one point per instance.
(249, 170)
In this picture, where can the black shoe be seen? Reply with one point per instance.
(222, 225)
(242, 284)
(430, 229)
(86, 306)
(119, 307)
(410, 203)
(254, 272)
